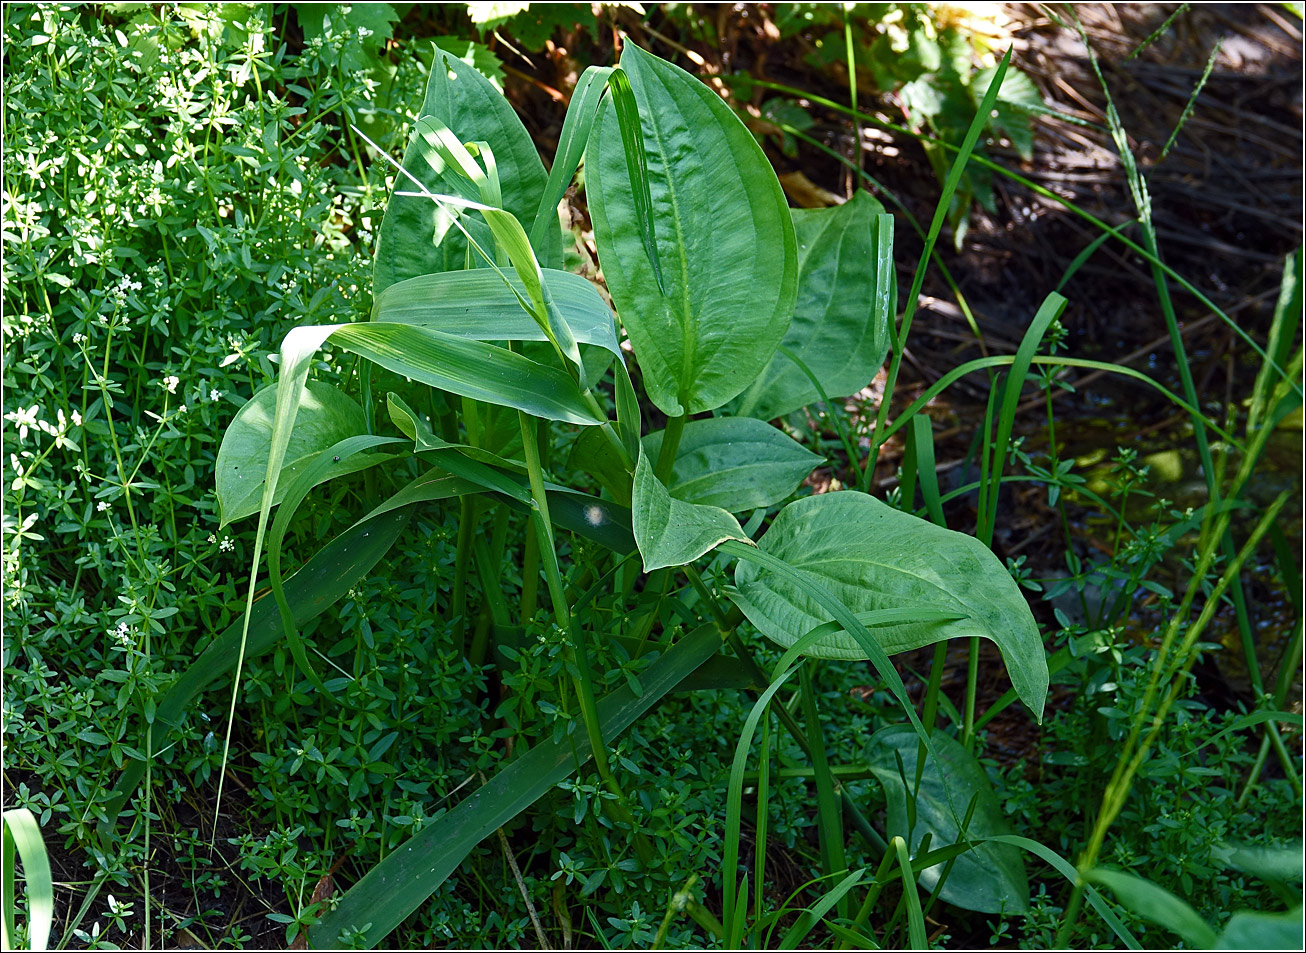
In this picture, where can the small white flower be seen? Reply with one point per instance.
(79, 338)
(215, 394)
(23, 418)
(212, 538)
(170, 383)
(181, 410)
(77, 418)
(226, 545)
(102, 506)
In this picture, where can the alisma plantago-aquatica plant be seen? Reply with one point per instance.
(737, 309)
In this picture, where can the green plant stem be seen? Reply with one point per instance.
(670, 445)
(763, 782)
(1203, 448)
(873, 892)
(620, 807)
(840, 772)
(829, 828)
(458, 599)
(931, 707)
(990, 482)
(705, 594)
(530, 578)
(849, 451)
(972, 688)
(1254, 774)
(850, 56)
(609, 434)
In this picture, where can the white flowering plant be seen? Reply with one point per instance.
(173, 199)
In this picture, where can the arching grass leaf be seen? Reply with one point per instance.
(23, 840)
(399, 884)
(1160, 906)
(472, 369)
(478, 305)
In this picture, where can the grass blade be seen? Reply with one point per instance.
(1050, 310)
(982, 363)
(479, 305)
(829, 817)
(923, 444)
(295, 494)
(810, 917)
(632, 141)
(915, 918)
(899, 335)
(1115, 232)
(1156, 904)
(576, 126)
(22, 840)
(1067, 870)
(468, 368)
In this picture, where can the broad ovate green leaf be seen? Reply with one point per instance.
(325, 416)
(468, 104)
(840, 329)
(871, 556)
(735, 463)
(724, 238)
(671, 532)
(989, 878)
